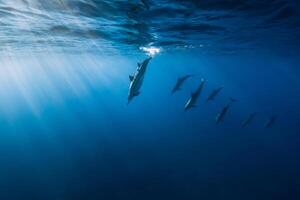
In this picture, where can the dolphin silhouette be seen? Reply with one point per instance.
(194, 96)
(271, 121)
(136, 80)
(180, 82)
(220, 117)
(214, 94)
(249, 119)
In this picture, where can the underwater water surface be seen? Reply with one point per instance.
(67, 130)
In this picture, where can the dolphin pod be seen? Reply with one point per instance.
(136, 80)
(194, 96)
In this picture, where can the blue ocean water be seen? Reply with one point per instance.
(67, 131)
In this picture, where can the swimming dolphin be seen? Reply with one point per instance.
(136, 80)
(180, 82)
(271, 121)
(214, 94)
(194, 96)
(220, 117)
(249, 119)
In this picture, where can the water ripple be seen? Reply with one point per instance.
(99, 24)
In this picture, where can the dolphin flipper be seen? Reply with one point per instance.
(131, 77)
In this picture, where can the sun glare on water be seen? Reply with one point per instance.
(151, 51)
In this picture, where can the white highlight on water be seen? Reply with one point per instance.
(151, 51)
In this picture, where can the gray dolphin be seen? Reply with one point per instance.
(220, 117)
(214, 94)
(271, 121)
(180, 82)
(249, 119)
(136, 80)
(194, 96)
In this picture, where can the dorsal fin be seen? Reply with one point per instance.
(131, 77)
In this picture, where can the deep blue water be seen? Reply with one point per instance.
(66, 131)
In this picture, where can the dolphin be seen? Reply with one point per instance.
(180, 82)
(271, 121)
(194, 96)
(136, 80)
(220, 117)
(214, 94)
(249, 119)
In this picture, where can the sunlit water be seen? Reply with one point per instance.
(107, 25)
(66, 131)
